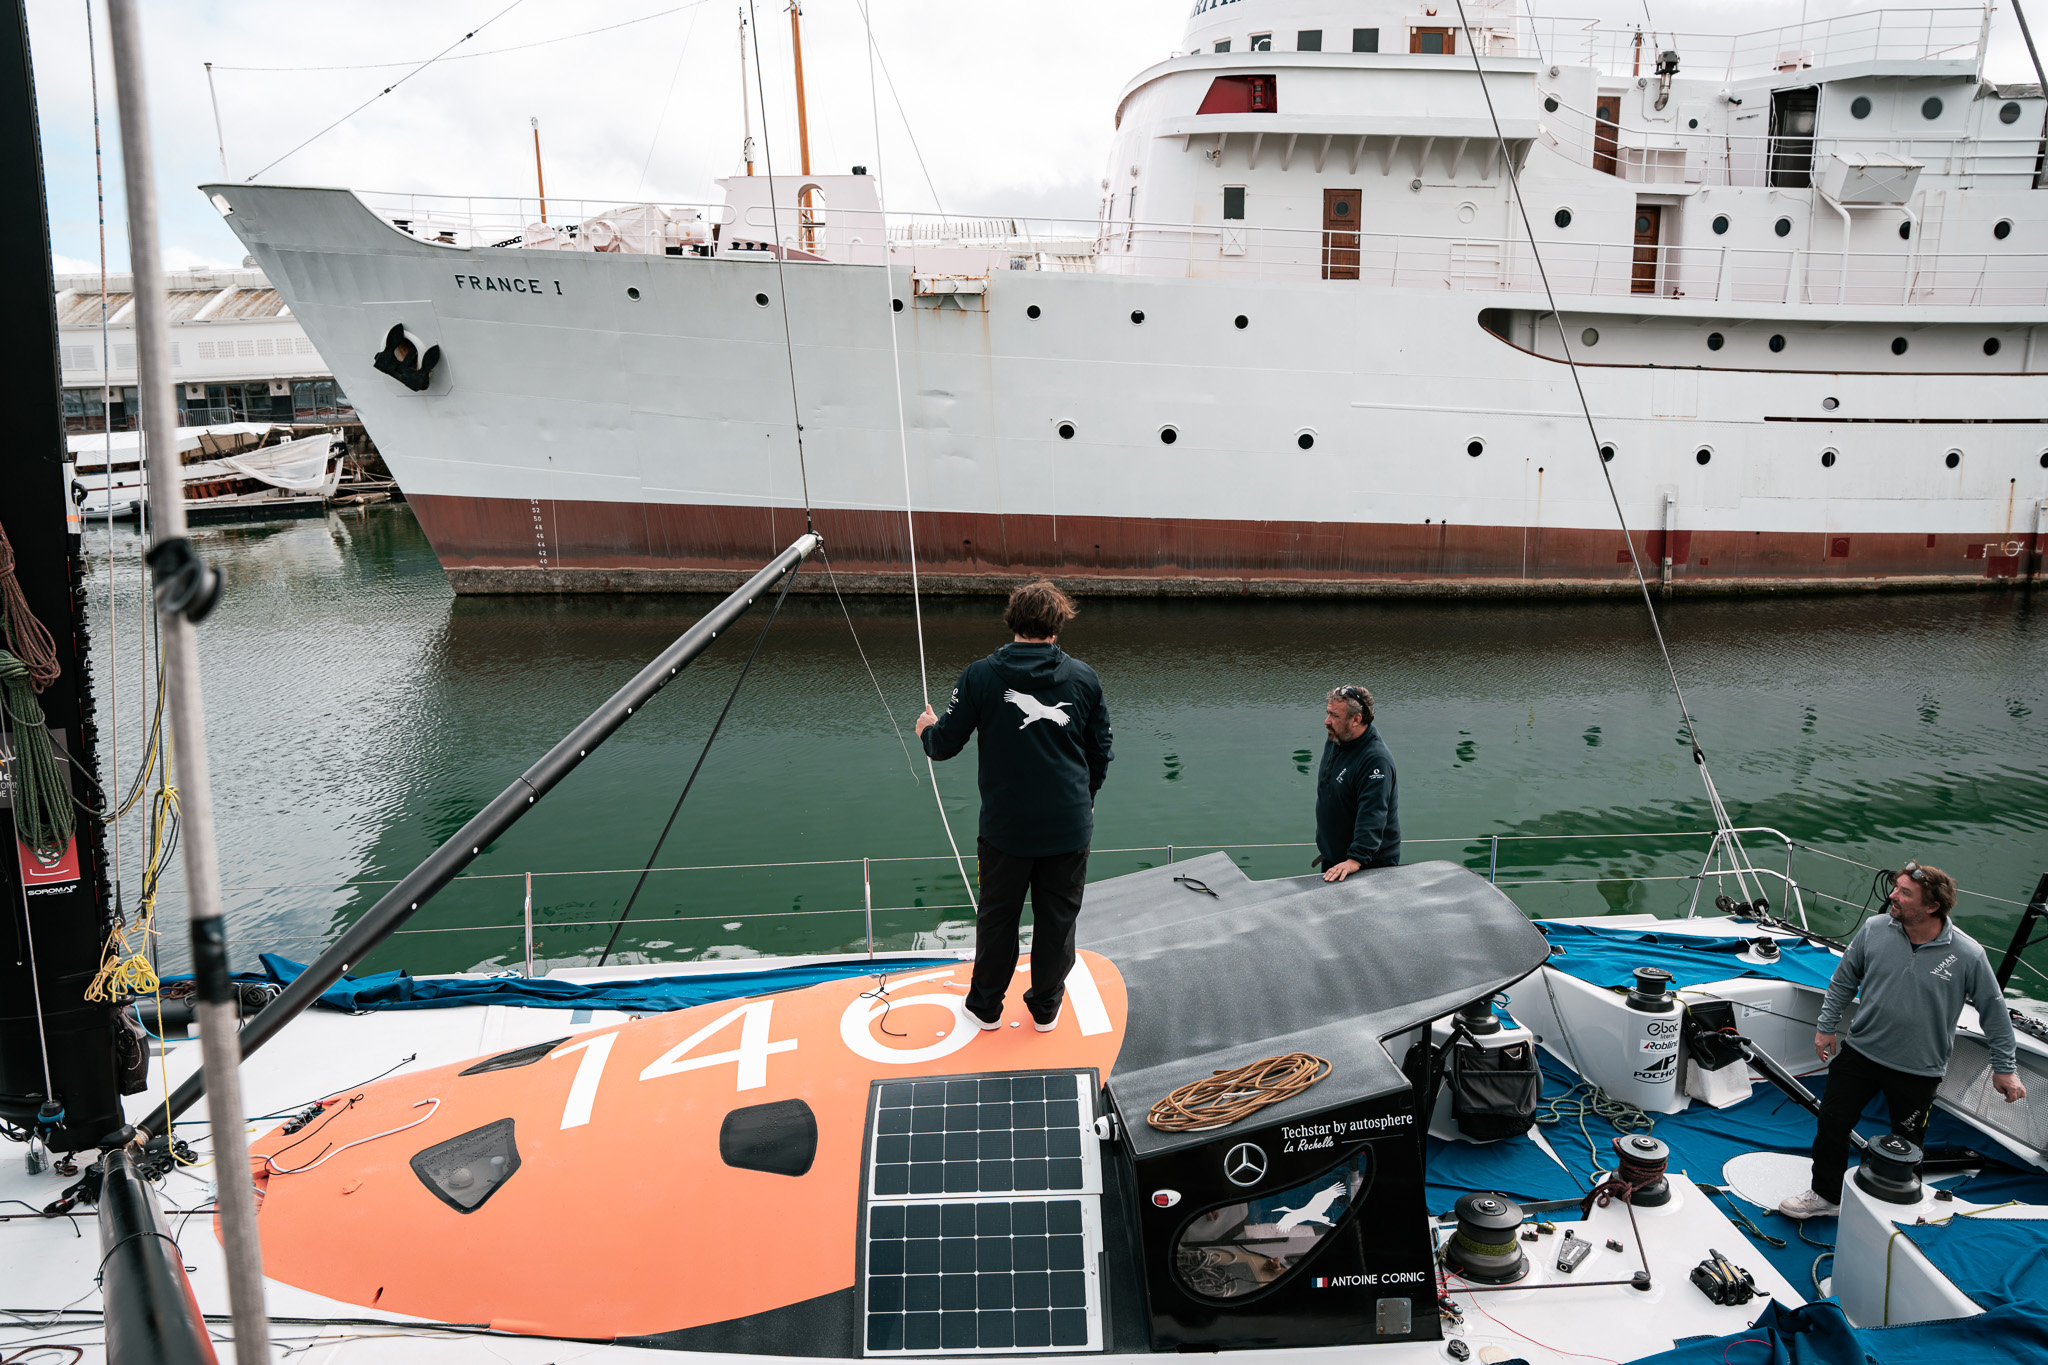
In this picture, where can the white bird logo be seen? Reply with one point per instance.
(1315, 1210)
(1034, 709)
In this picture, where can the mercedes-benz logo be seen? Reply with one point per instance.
(1245, 1164)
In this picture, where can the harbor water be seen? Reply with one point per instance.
(358, 713)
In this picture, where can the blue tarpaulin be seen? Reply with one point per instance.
(649, 995)
(1996, 1261)
(1819, 1334)
(1608, 957)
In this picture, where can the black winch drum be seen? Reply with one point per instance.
(1484, 1247)
(1891, 1170)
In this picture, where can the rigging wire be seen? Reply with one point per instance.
(875, 51)
(788, 578)
(903, 431)
(781, 285)
(389, 88)
(1739, 855)
(472, 56)
(666, 100)
(99, 180)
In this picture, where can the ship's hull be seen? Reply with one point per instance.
(576, 436)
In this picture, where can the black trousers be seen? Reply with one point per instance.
(1055, 885)
(1853, 1080)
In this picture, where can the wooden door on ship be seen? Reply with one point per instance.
(1340, 234)
(1649, 232)
(1606, 125)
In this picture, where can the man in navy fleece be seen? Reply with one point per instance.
(1044, 749)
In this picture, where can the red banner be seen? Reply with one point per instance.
(39, 875)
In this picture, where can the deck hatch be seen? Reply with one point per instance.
(983, 1226)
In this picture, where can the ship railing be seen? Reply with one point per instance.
(917, 902)
(472, 221)
(1926, 34)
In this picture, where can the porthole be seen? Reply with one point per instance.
(1703, 455)
(2002, 229)
(1467, 212)
(1032, 311)
(1307, 440)
(762, 300)
(1715, 341)
(896, 305)
(1777, 341)
(1899, 345)
(1930, 108)
(1953, 458)
(1066, 431)
(1860, 107)
(1550, 105)
(1830, 404)
(1137, 315)
(1906, 230)
(1991, 345)
(633, 294)
(1167, 436)
(1720, 224)
(1563, 218)
(1591, 336)
(1476, 447)
(1783, 227)
(1606, 454)
(1692, 123)
(2044, 459)
(1242, 322)
(1827, 459)
(2009, 112)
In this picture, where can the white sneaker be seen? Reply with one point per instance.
(1808, 1205)
(986, 1024)
(1048, 1026)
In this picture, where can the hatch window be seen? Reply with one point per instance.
(1239, 1250)
(1309, 40)
(1365, 40)
(1241, 95)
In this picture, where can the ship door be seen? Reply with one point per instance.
(1792, 116)
(1434, 42)
(1340, 234)
(1606, 125)
(1649, 232)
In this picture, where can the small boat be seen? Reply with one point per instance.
(234, 470)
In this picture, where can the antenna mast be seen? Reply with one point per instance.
(746, 111)
(539, 179)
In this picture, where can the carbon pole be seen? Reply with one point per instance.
(185, 591)
(151, 1317)
(441, 866)
(2023, 931)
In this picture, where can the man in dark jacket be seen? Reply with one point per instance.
(1045, 746)
(1357, 823)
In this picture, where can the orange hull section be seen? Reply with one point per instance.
(622, 1218)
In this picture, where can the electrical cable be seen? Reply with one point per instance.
(787, 578)
(903, 436)
(389, 88)
(1725, 826)
(329, 1155)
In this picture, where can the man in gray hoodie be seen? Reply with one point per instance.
(1914, 970)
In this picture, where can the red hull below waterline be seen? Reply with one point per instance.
(498, 545)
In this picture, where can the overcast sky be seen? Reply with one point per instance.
(1010, 105)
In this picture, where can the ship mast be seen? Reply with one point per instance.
(746, 113)
(806, 216)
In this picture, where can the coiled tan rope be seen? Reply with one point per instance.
(29, 640)
(1230, 1095)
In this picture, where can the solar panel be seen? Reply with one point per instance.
(983, 1231)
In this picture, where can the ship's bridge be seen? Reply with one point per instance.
(1322, 26)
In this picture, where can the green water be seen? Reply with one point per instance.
(359, 712)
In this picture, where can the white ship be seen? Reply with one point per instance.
(232, 470)
(1305, 345)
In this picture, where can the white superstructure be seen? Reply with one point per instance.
(1304, 346)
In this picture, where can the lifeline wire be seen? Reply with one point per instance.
(1699, 757)
(702, 754)
(903, 431)
(391, 87)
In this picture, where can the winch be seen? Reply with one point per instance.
(1483, 1247)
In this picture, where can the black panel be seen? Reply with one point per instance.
(827, 1326)
(985, 1135)
(523, 1056)
(779, 1138)
(990, 1276)
(466, 1170)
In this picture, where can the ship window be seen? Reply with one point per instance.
(2002, 229)
(1778, 341)
(1953, 458)
(1137, 316)
(1720, 224)
(1167, 436)
(1591, 336)
(1239, 1250)
(2009, 112)
(1243, 322)
(1830, 403)
(1306, 440)
(1783, 227)
(1899, 345)
(1066, 431)
(1475, 447)
(1432, 42)
(1368, 40)
(1309, 40)
(1550, 104)
(1692, 123)
(1930, 108)
(1223, 46)
(1607, 454)
(1860, 107)
(1233, 203)
(1032, 311)
(1991, 345)
(1906, 230)
(1262, 42)
(1703, 455)
(1827, 459)
(1241, 95)
(1563, 218)
(1715, 341)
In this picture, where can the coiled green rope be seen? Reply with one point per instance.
(43, 816)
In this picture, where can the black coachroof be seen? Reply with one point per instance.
(1298, 964)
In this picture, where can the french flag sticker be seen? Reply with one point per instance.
(1321, 1282)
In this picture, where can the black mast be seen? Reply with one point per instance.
(70, 920)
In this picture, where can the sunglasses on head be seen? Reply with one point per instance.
(1915, 871)
(1351, 693)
